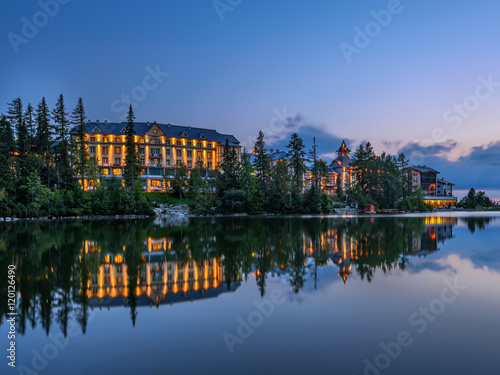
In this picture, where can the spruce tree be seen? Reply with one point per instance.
(82, 155)
(61, 137)
(16, 116)
(30, 124)
(228, 174)
(262, 160)
(313, 159)
(132, 169)
(296, 159)
(7, 149)
(43, 143)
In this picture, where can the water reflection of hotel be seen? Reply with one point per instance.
(346, 250)
(159, 280)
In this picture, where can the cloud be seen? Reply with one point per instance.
(479, 169)
(283, 124)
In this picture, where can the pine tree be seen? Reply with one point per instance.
(78, 118)
(313, 159)
(30, 124)
(228, 174)
(61, 137)
(296, 159)
(262, 160)
(132, 169)
(7, 149)
(16, 116)
(43, 143)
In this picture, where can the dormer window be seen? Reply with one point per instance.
(123, 130)
(96, 129)
(202, 136)
(184, 134)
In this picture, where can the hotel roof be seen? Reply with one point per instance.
(168, 130)
(423, 168)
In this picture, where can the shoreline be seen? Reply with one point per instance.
(190, 215)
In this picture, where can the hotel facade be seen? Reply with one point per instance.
(160, 146)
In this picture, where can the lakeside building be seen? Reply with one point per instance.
(438, 192)
(159, 279)
(161, 147)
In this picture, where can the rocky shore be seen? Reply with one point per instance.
(175, 211)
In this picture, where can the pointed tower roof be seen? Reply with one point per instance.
(343, 147)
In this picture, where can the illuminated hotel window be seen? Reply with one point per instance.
(118, 150)
(190, 164)
(117, 140)
(92, 149)
(190, 144)
(168, 142)
(105, 171)
(117, 171)
(106, 268)
(118, 259)
(167, 152)
(198, 154)
(190, 154)
(107, 280)
(210, 272)
(119, 269)
(209, 155)
(117, 160)
(156, 183)
(167, 162)
(178, 143)
(92, 139)
(179, 153)
(104, 161)
(105, 150)
(199, 144)
(209, 145)
(119, 280)
(105, 139)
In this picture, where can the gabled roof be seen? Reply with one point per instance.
(171, 131)
(444, 182)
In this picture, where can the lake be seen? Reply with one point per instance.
(407, 294)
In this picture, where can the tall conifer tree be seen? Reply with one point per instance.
(132, 168)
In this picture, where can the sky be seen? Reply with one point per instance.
(415, 76)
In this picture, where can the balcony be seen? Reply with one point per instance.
(155, 165)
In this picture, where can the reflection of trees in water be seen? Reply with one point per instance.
(54, 272)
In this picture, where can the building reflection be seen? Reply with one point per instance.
(158, 279)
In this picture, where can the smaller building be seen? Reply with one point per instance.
(438, 192)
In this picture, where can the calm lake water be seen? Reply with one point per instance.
(244, 295)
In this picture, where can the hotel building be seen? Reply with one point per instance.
(161, 147)
(438, 192)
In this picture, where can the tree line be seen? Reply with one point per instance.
(42, 170)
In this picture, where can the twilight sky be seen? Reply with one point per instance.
(417, 76)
